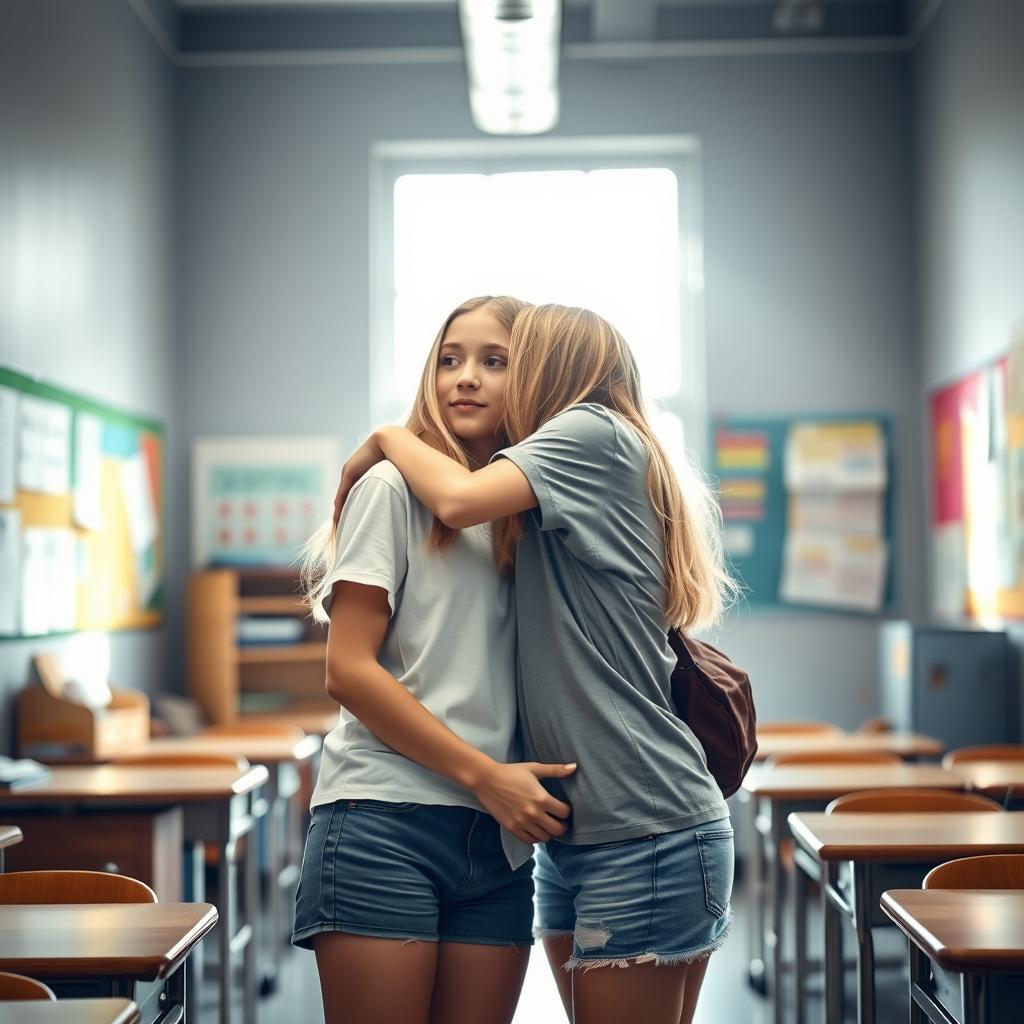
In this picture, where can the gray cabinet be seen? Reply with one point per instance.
(958, 685)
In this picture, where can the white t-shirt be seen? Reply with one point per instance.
(450, 642)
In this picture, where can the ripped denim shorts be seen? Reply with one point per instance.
(662, 898)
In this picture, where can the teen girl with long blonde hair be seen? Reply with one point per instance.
(608, 552)
(417, 906)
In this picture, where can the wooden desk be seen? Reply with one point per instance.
(1001, 780)
(882, 851)
(908, 745)
(69, 1011)
(974, 940)
(773, 793)
(220, 806)
(117, 944)
(284, 758)
(9, 835)
(313, 719)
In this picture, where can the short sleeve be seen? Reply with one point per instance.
(568, 462)
(372, 541)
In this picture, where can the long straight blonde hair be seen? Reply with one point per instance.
(426, 421)
(561, 356)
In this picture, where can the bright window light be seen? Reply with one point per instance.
(606, 239)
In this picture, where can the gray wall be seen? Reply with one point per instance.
(969, 152)
(86, 198)
(809, 306)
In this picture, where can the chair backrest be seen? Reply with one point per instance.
(993, 752)
(72, 887)
(187, 760)
(895, 800)
(825, 757)
(874, 726)
(256, 727)
(993, 871)
(16, 987)
(797, 729)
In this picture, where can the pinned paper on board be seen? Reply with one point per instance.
(44, 446)
(8, 444)
(826, 457)
(10, 570)
(834, 570)
(88, 491)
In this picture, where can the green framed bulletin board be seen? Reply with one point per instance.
(82, 531)
(807, 509)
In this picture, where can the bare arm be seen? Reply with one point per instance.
(510, 792)
(458, 497)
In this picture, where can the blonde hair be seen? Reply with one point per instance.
(561, 356)
(426, 421)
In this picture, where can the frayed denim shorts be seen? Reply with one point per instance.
(410, 871)
(662, 898)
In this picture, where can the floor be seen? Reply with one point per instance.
(726, 998)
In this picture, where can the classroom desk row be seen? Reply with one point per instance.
(781, 795)
(140, 820)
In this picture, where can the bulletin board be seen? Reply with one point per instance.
(977, 443)
(82, 526)
(806, 509)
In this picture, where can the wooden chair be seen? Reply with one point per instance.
(874, 727)
(72, 887)
(994, 752)
(994, 871)
(171, 759)
(16, 988)
(797, 729)
(827, 757)
(894, 801)
(277, 730)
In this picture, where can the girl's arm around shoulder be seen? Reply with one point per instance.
(458, 497)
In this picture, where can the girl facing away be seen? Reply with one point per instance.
(608, 552)
(418, 908)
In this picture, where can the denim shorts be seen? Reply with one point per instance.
(663, 898)
(410, 871)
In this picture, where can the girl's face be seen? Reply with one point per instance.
(471, 372)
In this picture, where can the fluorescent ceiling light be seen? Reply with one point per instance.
(512, 64)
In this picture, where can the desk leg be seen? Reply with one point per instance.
(250, 882)
(862, 889)
(974, 993)
(275, 833)
(196, 853)
(801, 882)
(778, 880)
(833, 949)
(227, 905)
(919, 971)
(757, 974)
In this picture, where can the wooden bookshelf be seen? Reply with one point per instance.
(220, 670)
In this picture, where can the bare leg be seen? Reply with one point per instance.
(374, 981)
(694, 981)
(641, 992)
(558, 949)
(477, 984)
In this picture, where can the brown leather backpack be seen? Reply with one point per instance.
(713, 697)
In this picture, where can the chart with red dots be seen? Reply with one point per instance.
(256, 500)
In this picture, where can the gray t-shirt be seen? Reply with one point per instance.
(593, 656)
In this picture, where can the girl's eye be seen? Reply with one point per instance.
(447, 360)
(494, 362)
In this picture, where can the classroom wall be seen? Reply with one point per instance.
(968, 82)
(86, 235)
(809, 251)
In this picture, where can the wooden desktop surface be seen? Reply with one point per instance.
(141, 941)
(963, 929)
(136, 783)
(315, 719)
(69, 1011)
(9, 835)
(825, 782)
(908, 836)
(255, 748)
(994, 778)
(904, 744)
